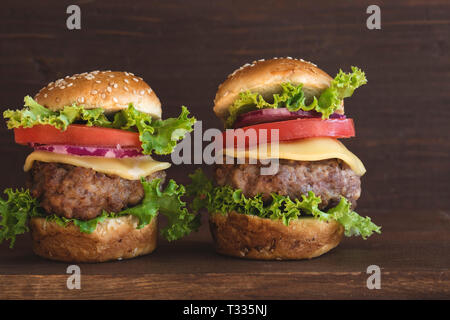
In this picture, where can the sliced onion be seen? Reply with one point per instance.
(117, 152)
(273, 115)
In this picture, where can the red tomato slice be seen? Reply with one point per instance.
(79, 135)
(293, 130)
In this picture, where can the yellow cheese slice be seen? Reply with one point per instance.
(127, 168)
(312, 149)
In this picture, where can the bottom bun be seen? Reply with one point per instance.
(252, 237)
(113, 239)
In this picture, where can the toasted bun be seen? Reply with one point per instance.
(252, 237)
(110, 90)
(114, 239)
(265, 77)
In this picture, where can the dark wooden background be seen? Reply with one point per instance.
(185, 49)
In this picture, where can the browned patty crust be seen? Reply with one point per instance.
(76, 192)
(329, 179)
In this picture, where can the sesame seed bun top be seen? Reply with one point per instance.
(265, 77)
(110, 90)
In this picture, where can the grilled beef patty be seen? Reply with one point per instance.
(76, 192)
(329, 179)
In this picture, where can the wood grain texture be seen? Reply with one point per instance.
(413, 257)
(184, 50)
(274, 286)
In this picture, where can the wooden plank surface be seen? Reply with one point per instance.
(184, 49)
(413, 257)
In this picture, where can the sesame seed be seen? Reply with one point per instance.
(127, 74)
(51, 88)
(80, 99)
(142, 92)
(125, 87)
(134, 92)
(131, 73)
(109, 89)
(45, 95)
(103, 96)
(94, 91)
(115, 99)
(149, 90)
(62, 87)
(70, 84)
(126, 80)
(136, 79)
(98, 81)
(115, 85)
(111, 76)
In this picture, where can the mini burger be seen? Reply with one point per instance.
(94, 191)
(304, 209)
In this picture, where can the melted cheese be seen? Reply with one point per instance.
(127, 168)
(312, 149)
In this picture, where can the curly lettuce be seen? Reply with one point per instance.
(293, 97)
(33, 114)
(15, 212)
(85, 226)
(167, 133)
(225, 199)
(169, 203)
(158, 136)
(20, 206)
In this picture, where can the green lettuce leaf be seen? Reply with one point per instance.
(159, 136)
(224, 199)
(85, 226)
(14, 214)
(166, 133)
(199, 190)
(354, 224)
(293, 98)
(34, 114)
(167, 202)
(342, 86)
(20, 206)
